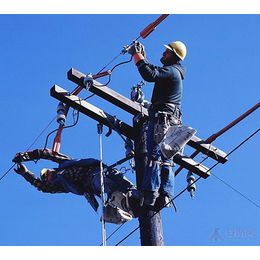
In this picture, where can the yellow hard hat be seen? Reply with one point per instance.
(43, 174)
(179, 48)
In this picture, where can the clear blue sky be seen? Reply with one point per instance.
(221, 83)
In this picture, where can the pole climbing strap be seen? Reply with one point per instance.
(161, 163)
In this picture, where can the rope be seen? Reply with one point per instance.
(100, 126)
(195, 182)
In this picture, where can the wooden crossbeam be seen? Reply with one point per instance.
(91, 111)
(108, 94)
(134, 108)
(126, 130)
(208, 149)
(191, 165)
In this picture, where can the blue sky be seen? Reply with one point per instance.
(221, 84)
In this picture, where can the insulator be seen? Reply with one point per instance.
(137, 94)
(88, 81)
(61, 110)
(129, 147)
(191, 185)
(133, 93)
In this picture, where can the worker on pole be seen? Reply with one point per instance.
(165, 111)
(81, 177)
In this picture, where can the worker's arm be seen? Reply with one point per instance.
(153, 73)
(41, 185)
(41, 154)
(148, 71)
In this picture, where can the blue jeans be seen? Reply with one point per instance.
(156, 179)
(115, 180)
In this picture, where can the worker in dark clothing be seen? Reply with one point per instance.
(81, 177)
(165, 109)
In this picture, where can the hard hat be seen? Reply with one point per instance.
(179, 48)
(43, 174)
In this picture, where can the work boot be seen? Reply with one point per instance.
(126, 203)
(149, 197)
(163, 201)
(118, 199)
(133, 202)
(113, 214)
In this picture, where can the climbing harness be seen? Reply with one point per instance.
(161, 164)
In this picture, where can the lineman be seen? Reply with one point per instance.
(81, 177)
(158, 184)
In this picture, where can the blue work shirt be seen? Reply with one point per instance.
(168, 84)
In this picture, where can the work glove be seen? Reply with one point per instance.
(137, 47)
(26, 156)
(21, 169)
(21, 157)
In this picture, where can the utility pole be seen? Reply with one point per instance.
(151, 232)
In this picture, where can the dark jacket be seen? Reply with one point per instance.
(168, 84)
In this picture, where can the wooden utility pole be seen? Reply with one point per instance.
(150, 223)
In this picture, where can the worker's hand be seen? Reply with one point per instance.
(21, 169)
(143, 50)
(136, 48)
(20, 157)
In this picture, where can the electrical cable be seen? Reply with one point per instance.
(110, 62)
(110, 75)
(235, 190)
(195, 182)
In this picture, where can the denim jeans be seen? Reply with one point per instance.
(115, 180)
(156, 179)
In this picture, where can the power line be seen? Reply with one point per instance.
(236, 190)
(196, 181)
(113, 232)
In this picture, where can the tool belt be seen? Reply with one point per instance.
(160, 106)
(169, 133)
(162, 122)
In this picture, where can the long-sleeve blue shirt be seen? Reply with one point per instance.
(168, 84)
